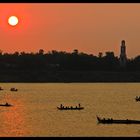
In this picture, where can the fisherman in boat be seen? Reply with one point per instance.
(103, 119)
(110, 119)
(6, 103)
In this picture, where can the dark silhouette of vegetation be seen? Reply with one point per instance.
(61, 66)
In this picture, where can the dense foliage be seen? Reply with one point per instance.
(55, 60)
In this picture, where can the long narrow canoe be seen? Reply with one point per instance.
(7, 105)
(69, 108)
(110, 121)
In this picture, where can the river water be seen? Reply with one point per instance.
(34, 112)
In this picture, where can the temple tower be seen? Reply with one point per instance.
(123, 58)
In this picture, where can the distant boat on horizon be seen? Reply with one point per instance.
(70, 108)
(111, 121)
(6, 105)
(137, 98)
(14, 89)
(1, 88)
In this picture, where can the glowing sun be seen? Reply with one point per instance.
(13, 20)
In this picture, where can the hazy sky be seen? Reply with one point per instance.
(90, 28)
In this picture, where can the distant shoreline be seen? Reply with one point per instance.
(70, 77)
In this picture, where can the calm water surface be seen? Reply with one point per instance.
(34, 111)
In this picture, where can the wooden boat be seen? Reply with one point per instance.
(137, 98)
(70, 108)
(6, 104)
(1, 88)
(110, 121)
(14, 89)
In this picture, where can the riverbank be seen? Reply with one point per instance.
(70, 76)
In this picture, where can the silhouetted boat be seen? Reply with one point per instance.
(14, 89)
(1, 88)
(70, 108)
(137, 98)
(110, 121)
(6, 104)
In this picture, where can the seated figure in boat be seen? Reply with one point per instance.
(6, 103)
(110, 119)
(61, 106)
(137, 97)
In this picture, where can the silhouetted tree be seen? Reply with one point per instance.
(75, 51)
(41, 51)
(100, 55)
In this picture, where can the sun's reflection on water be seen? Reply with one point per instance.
(13, 120)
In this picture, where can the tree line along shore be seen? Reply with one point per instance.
(61, 66)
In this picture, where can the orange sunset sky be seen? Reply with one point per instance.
(88, 27)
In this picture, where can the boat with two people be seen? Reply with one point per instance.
(6, 104)
(70, 107)
(111, 121)
(14, 89)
